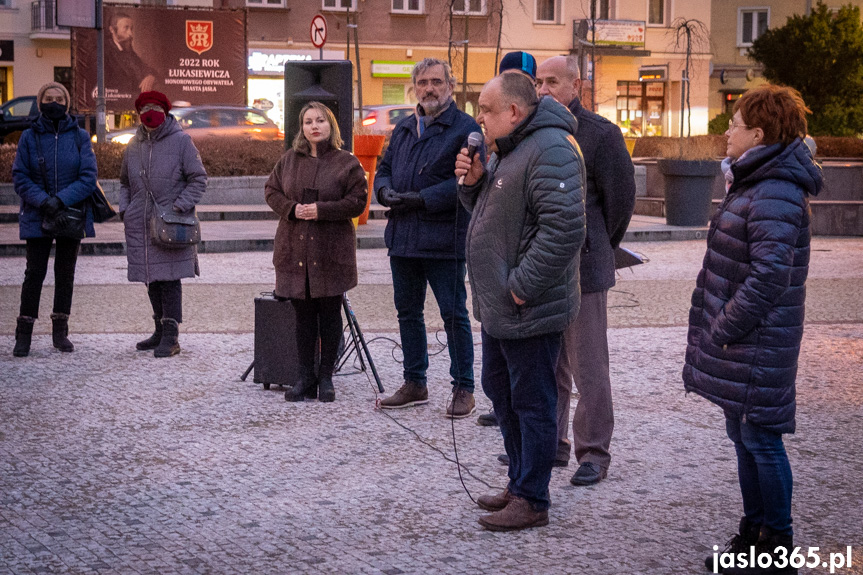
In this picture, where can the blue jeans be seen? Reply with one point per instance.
(446, 278)
(764, 474)
(518, 377)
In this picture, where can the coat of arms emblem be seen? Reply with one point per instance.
(199, 35)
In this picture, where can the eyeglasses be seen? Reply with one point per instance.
(436, 82)
(732, 125)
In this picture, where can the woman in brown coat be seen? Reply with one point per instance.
(316, 188)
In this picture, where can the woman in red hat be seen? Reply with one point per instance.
(161, 165)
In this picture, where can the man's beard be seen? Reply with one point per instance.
(432, 106)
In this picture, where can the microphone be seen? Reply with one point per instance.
(474, 140)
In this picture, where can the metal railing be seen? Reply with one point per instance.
(42, 18)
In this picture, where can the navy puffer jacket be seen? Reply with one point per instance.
(746, 320)
(70, 166)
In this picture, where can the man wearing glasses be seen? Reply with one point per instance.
(425, 235)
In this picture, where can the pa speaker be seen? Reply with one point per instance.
(329, 82)
(275, 342)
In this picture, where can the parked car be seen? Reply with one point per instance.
(382, 119)
(216, 121)
(17, 114)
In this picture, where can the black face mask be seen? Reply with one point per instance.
(53, 110)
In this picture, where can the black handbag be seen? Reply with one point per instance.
(169, 229)
(102, 208)
(70, 222)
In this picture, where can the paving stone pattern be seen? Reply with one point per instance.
(112, 461)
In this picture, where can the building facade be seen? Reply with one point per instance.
(736, 24)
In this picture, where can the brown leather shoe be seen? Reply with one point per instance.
(407, 395)
(495, 502)
(517, 515)
(461, 405)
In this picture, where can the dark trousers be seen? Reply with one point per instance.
(166, 297)
(446, 278)
(65, 259)
(764, 474)
(584, 360)
(518, 377)
(318, 317)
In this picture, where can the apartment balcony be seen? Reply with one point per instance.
(43, 25)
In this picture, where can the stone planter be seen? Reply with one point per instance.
(688, 186)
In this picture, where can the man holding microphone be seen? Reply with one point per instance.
(527, 221)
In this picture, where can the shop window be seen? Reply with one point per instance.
(266, 3)
(63, 75)
(407, 6)
(339, 4)
(751, 23)
(547, 12)
(475, 7)
(640, 108)
(656, 12)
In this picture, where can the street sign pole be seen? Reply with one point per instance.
(100, 76)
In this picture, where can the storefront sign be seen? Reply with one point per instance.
(388, 69)
(7, 51)
(618, 33)
(652, 74)
(190, 55)
(272, 62)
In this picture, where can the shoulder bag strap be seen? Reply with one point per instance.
(42, 168)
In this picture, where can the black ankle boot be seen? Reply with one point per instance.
(151, 342)
(169, 344)
(60, 331)
(306, 384)
(768, 542)
(747, 536)
(326, 391)
(23, 336)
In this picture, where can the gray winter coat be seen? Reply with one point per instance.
(176, 177)
(527, 228)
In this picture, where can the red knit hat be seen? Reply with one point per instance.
(153, 97)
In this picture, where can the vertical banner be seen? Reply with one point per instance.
(195, 56)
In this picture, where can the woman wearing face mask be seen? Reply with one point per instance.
(316, 188)
(54, 170)
(161, 163)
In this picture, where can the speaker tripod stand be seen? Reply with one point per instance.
(356, 345)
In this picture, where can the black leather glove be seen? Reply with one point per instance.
(51, 207)
(61, 220)
(408, 201)
(386, 197)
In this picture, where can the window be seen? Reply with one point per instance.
(339, 4)
(656, 12)
(476, 7)
(751, 23)
(408, 6)
(548, 11)
(266, 3)
(600, 9)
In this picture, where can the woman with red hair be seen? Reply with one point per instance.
(746, 320)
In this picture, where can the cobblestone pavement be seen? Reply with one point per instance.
(114, 462)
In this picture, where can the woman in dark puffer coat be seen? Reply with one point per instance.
(160, 160)
(51, 193)
(746, 320)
